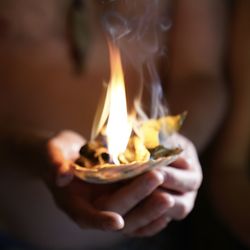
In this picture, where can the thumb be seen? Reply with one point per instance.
(62, 168)
(64, 174)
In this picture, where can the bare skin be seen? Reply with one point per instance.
(43, 67)
(133, 200)
(229, 175)
(196, 67)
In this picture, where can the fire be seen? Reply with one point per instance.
(118, 145)
(119, 128)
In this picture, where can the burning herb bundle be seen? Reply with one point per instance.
(141, 148)
(123, 146)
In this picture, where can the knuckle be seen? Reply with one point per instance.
(153, 178)
(195, 184)
(198, 182)
(184, 210)
(162, 200)
(171, 178)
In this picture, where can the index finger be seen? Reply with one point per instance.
(181, 177)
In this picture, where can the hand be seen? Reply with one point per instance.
(143, 205)
(174, 199)
(73, 196)
(93, 206)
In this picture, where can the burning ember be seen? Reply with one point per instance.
(121, 145)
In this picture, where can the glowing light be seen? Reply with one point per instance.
(118, 128)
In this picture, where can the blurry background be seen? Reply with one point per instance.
(53, 60)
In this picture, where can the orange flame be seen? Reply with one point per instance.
(119, 128)
(113, 109)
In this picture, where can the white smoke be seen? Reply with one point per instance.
(137, 27)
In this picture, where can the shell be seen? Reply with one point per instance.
(110, 173)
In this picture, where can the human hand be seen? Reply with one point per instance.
(144, 204)
(93, 206)
(174, 199)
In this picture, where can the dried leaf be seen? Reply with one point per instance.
(141, 152)
(172, 124)
(161, 151)
(151, 129)
(136, 151)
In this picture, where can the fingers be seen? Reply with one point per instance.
(153, 228)
(69, 144)
(62, 149)
(150, 210)
(181, 163)
(158, 210)
(186, 180)
(61, 167)
(84, 214)
(181, 180)
(183, 205)
(133, 193)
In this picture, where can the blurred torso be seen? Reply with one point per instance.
(39, 89)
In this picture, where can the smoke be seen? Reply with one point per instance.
(137, 27)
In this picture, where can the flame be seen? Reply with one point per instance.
(119, 127)
(112, 120)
